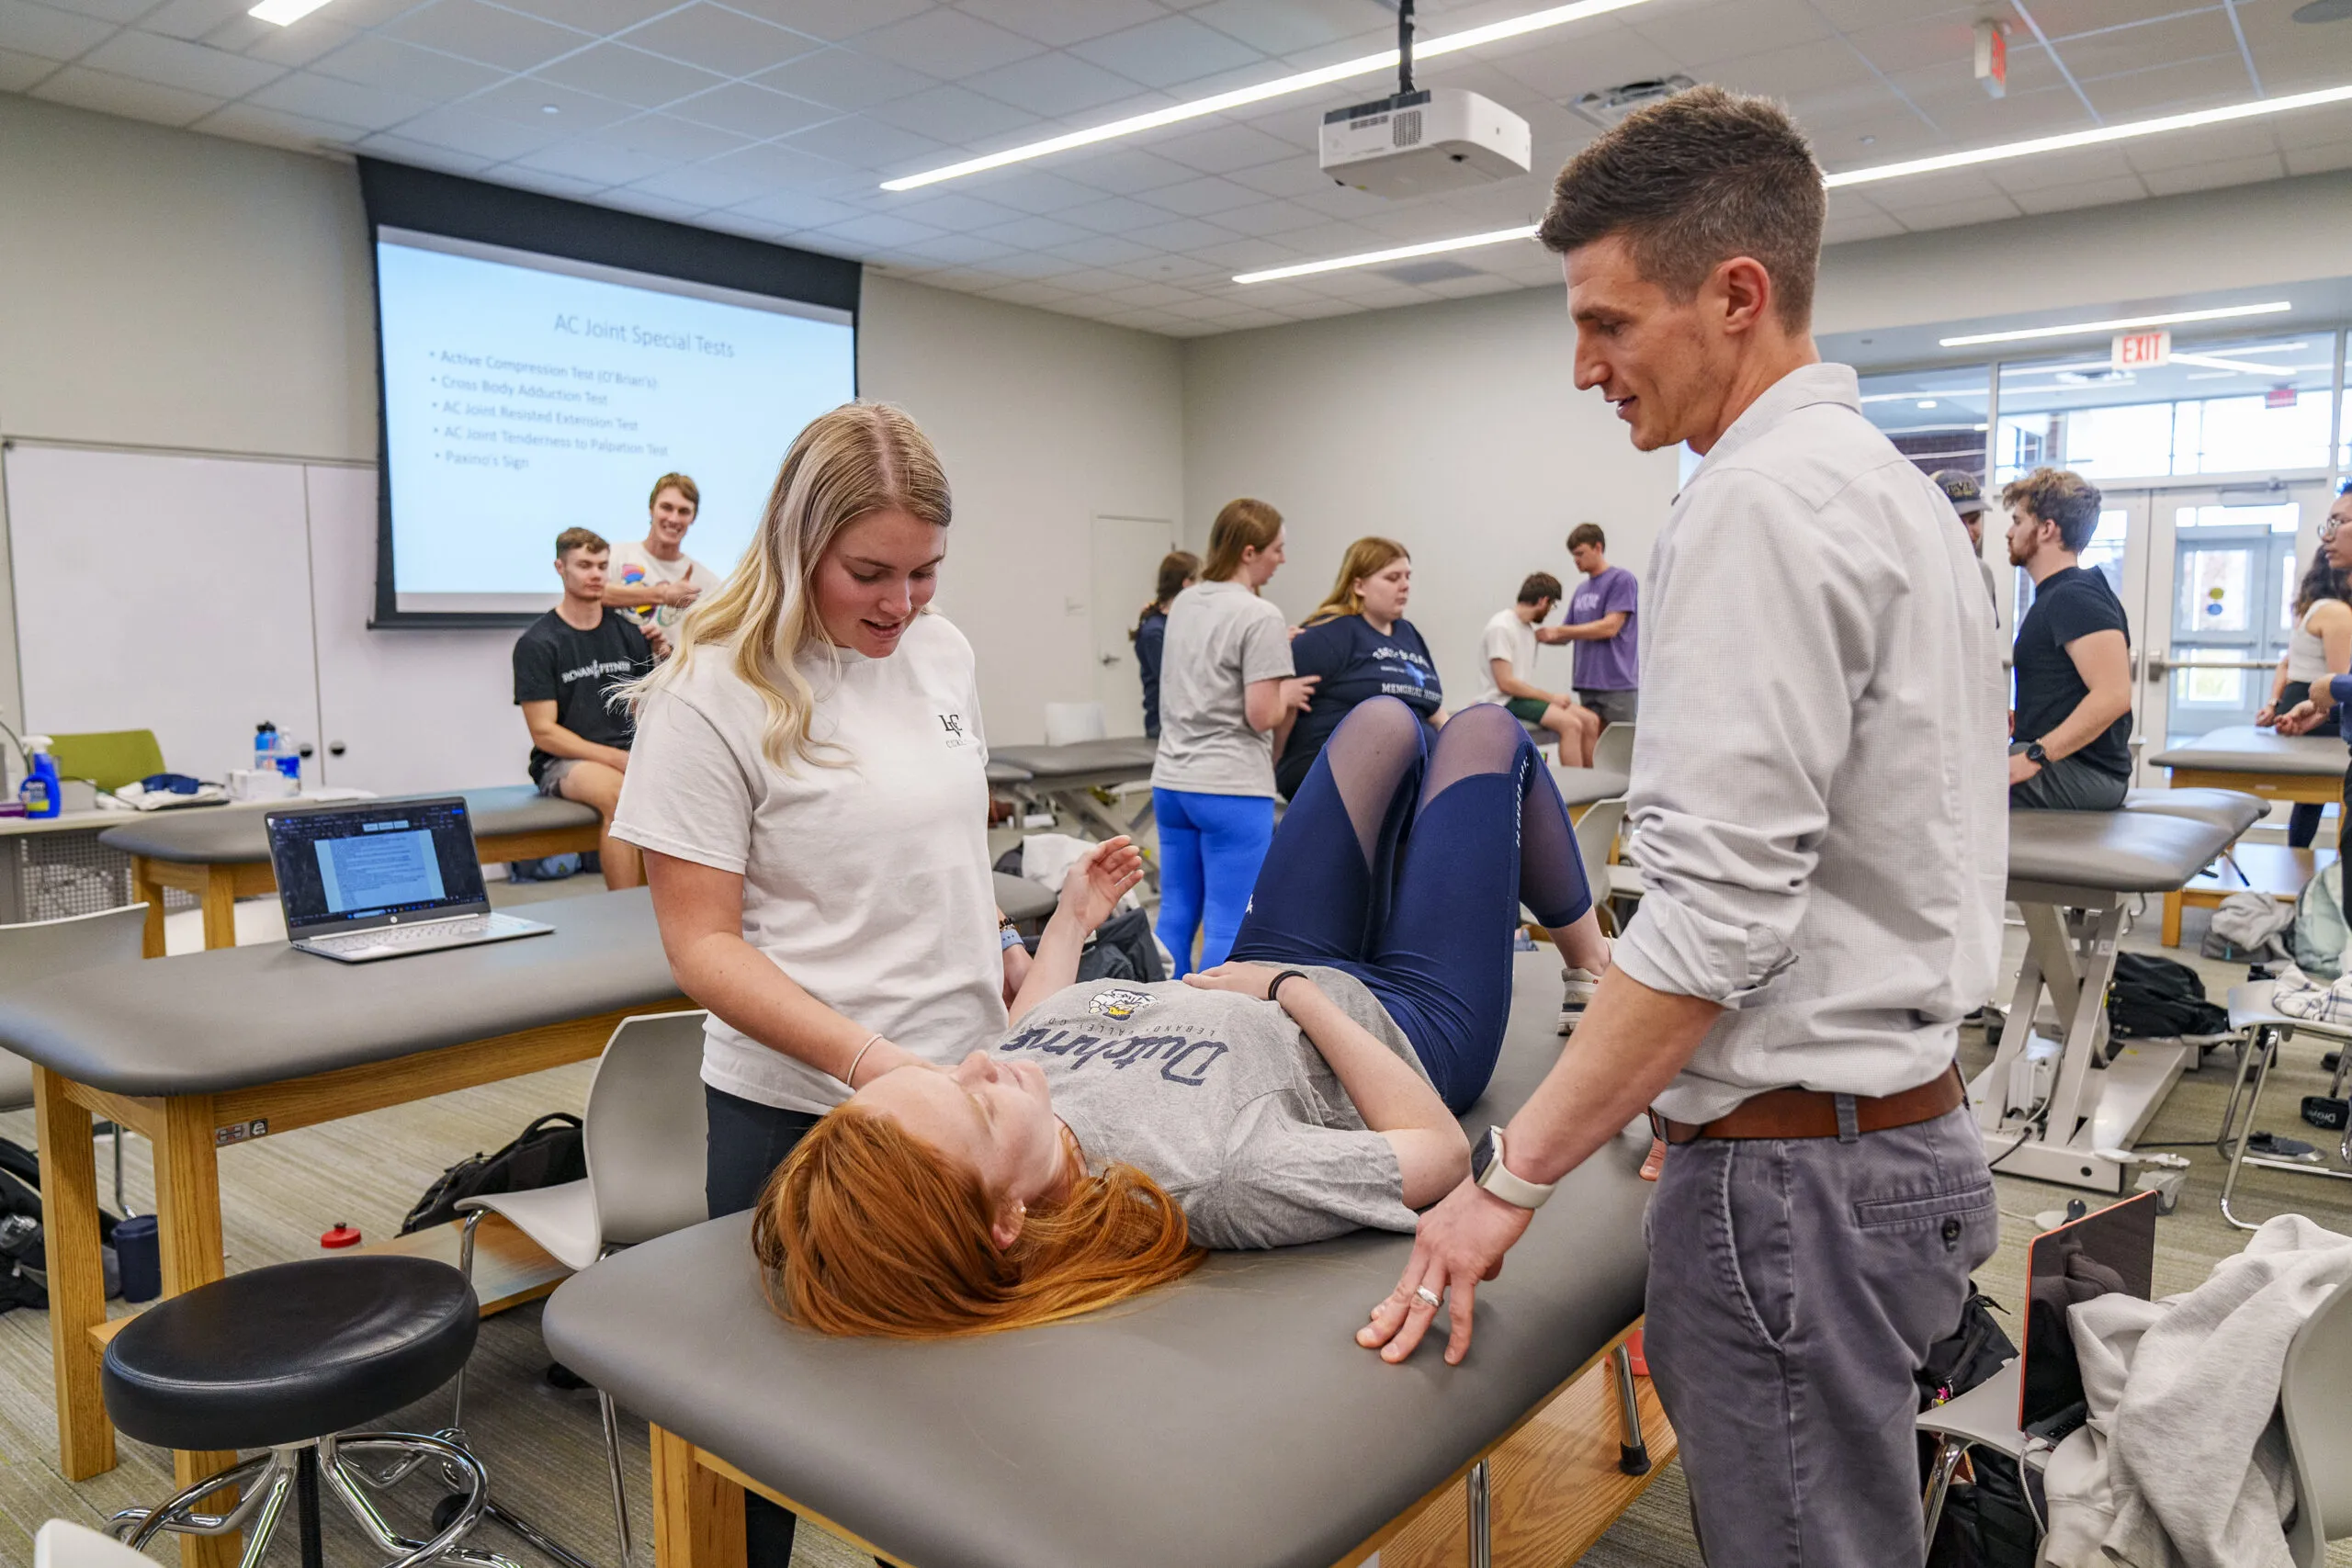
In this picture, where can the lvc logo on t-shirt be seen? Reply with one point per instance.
(953, 723)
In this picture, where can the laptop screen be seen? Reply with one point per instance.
(350, 867)
(2110, 1251)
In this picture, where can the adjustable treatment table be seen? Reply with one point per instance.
(1229, 1420)
(1066, 777)
(211, 1049)
(220, 853)
(2071, 874)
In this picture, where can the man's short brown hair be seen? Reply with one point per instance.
(2060, 496)
(572, 539)
(678, 483)
(1689, 183)
(1584, 533)
(1540, 587)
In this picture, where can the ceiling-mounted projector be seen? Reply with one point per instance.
(1418, 142)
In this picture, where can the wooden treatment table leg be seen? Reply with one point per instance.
(219, 906)
(77, 1291)
(697, 1513)
(188, 1215)
(2172, 919)
(147, 890)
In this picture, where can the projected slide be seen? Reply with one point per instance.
(380, 870)
(527, 394)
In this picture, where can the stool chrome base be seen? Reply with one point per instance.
(298, 1470)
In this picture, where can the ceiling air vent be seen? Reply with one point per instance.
(1606, 106)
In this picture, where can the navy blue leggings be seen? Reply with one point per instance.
(1404, 862)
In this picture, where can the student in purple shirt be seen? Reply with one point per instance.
(1601, 614)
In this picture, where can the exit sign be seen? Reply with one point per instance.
(1991, 59)
(2140, 350)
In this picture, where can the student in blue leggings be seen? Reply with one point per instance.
(1306, 1088)
(1226, 689)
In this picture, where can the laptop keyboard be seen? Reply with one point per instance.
(404, 936)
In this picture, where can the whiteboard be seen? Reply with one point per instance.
(163, 593)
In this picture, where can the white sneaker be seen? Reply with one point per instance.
(1579, 985)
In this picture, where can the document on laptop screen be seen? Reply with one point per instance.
(391, 863)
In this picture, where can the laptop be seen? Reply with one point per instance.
(383, 878)
(2113, 1250)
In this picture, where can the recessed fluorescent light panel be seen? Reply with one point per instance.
(2121, 323)
(1401, 253)
(285, 12)
(1242, 97)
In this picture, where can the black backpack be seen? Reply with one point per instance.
(1985, 1522)
(2156, 999)
(548, 1152)
(24, 1259)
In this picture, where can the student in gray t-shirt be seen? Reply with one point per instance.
(1305, 1090)
(1226, 689)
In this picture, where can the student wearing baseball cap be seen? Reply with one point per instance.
(1967, 498)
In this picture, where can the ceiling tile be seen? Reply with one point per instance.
(722, 41)
(1032, 190)
(193, 19)
(864, 142)
(1062, 22)
(1296, 27)
(528, 99)
(123, 11)
(595, 163)
(1170, 50)
(2212, 176)
(402, 68)
(308, 93)
(2078, 166)
(955, 213)
(19, 72)
(282, 46)
(2196, 35)
(2170, 88)
(1286, 177)
(956, 117)
(751, 111)
(464, 130)
(782, 168)
(842, 79)
(946, 44)
(832, 21)
(528, 178)
(1957, 214)
(2090, 193)
(87, 89)
(174, 62)
(791, 209)
(1224, 150)
(1200, 196)
(1054, 84)
(1866, 226)
(666, 137)
(1034, 233)
(1704, 35)
(628, 75)
(880, 229)
(423, 155)
(603, 18)
(1111, 215)
(2319, 160)
(1269, 218)
(1102, 250)
(473, 30)
(1122, 167)
(702, 185)
(652, 204)
(959, 249)
(1181, 234)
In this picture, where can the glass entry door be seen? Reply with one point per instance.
(2217, 621)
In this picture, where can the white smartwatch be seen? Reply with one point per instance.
(1487, 1170)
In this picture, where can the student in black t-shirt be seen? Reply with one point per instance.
(1359, 643)
(566, 663)
(1179, 570)
(2071, 731)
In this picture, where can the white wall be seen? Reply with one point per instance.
(1045, 423)
(1454, 428)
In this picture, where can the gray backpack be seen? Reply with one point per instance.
(2250, 926)
(2320, 931)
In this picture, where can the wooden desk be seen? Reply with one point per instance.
(221, 858)
(212, 1086)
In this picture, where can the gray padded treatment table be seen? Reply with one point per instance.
(1229, 1420)
(2243, 749)
(1023, 900)
(229, 835)
(1066, 777)
(2072, 875)
(2232, 808)
(205, 1022)
(1003, 772)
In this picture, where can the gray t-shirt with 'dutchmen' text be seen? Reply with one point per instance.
(1220, 638)
(1223, 1100)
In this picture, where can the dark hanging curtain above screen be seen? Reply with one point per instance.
(399, 197)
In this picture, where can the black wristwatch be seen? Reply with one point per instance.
(2036, 755)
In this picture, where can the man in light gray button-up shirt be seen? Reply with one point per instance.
(1818, 807)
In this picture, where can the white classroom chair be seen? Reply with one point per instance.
(1612, 750)
(1596, 838)
(645, 1133)
(1070, 723)
(38, 949)
(2319, 1428)
(61, 1544)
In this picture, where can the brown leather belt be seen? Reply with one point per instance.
(1812, 1113)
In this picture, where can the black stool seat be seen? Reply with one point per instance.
(291, 1352)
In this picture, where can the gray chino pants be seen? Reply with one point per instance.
(1794, 1287)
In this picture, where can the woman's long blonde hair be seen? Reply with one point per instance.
(856, 460)
(1367, 555)
(865, 1229)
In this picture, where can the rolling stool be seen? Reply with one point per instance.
(283, 1359)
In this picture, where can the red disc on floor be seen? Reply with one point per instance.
(342, 1235)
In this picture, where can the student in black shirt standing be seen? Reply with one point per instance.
(2071, 731)
(1359, 643)
(565, 664)
(1178, 571)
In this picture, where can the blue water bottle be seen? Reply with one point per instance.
(39, 791)
(264, 745)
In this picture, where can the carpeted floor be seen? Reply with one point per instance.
(542, 1443)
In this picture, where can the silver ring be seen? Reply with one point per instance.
(1423, 1292)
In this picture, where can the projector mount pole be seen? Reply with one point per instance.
(1404, 46)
